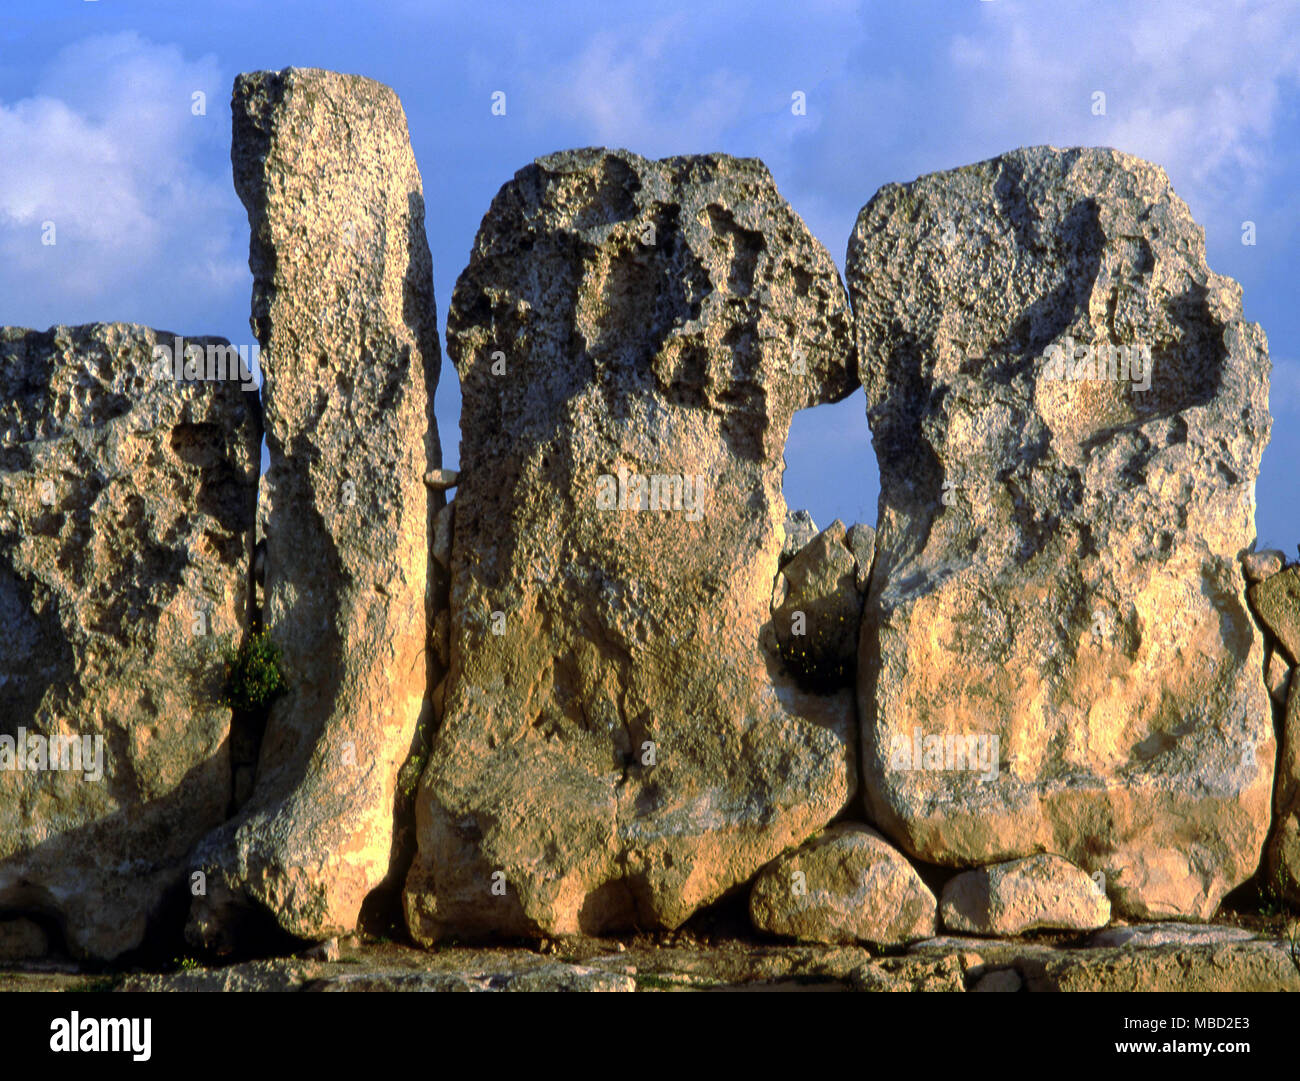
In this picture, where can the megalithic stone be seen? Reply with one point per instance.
(1281, 869)
(343, 307)
(1068, 411)
(620, 745)
(127, 497)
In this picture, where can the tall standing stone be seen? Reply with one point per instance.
(1275, 598)
(126, 520)
(619, 746)
(1282, 854)
(1068, 411)
(343, 306)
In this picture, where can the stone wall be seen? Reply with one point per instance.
(617, 680)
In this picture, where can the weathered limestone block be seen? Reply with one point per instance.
(1282, 855)
(1277, 676)
(1068, 411)
(126, 522)
(817, 611)
(1215, 967)
(862, 543)
(1150, 936)
(847, 884)
(1042, 892)
(442, 536)
(1276, 600)
(619, 749)
(343, 307)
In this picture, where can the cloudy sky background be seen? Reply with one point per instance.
(97, 135)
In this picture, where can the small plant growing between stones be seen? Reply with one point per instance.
(408, 778)
(254, 678)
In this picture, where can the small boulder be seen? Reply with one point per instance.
(1000, 980)
(846, 885)
(327, 951)
(1257, 566)
(1037, 893)
(442, 479)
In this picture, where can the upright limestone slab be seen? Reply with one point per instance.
(1281, 868)
(126, 522)
(1275, 597)
(1068, 411)
(618, 749)
(343, 306)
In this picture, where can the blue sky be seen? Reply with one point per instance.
(98, 135)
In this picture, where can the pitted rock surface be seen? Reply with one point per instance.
(620, 748)
(1057, 556)
(343, 308)
(126, 527)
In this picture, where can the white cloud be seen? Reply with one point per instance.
(1194, 88)
(624, 89)
(1201, 90)
(136, 186)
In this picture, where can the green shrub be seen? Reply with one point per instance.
(1275, 892)
(253, 676)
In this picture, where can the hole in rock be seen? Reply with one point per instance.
(830, 467)
(830, 473)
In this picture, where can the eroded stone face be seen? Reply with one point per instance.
(632, 339)
(1057, 557)
(343, 308)
(126, 519)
